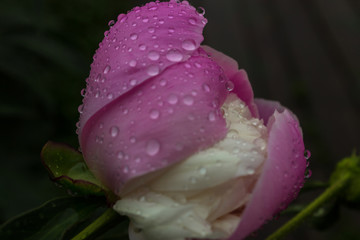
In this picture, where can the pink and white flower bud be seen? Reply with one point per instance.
(172, 128)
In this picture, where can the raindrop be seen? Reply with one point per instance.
(171, 30)
(173, 99)
(110, 96)
(132, 63)
(200, 10)
(206, 87)
(120, 155)
(153, 70)
(192, 21)
(151, 30)
(133, 36)
(153, 55)
(81, 108)
(132, 139)
(307, 154)
(188, 100)
(111, 23)
(189, 45)
(162, 82)
(133, 82)
(153, 147)
(174, 56)
(142, 47)
(229, 86)
(114, 131)
(202, 171)
(154, 114)
(212, 117)
(126, 169)
(107, 69)
(122, 18)
(250, 171)
(145, 19)
(83, 92)
(308, 173)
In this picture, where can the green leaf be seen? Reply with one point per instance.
(67, 167)
(349, 165)
(51, 220)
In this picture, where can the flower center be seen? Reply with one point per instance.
(204, 195)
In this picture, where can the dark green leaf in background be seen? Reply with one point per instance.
(67, 167)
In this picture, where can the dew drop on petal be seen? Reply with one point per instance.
(132, 63)
(154, 114)
(307, 154)
(153, 147)
(107, 69)
(192, 21)
(173, 99)
(188, 100)
(212, 117)
(229, 86)
(189, 45)
(153, 70)
(200, 10)
(120, 155)
(206, 87)
(202, 171)
(153, 55)
(142, 47)
(133, 82)
(174, 56)
(133, 36)
(114, 131)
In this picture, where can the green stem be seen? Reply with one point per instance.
(329, 193)
(105, 219)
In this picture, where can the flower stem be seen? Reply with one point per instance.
(329, 193)
(105, 219)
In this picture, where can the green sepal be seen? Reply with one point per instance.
(66, 166)
(349, 165)
(51, 220)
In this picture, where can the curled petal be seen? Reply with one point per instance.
(238, 78)
(138, 47)
(282, 175)
(158, 123)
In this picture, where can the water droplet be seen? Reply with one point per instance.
(132, 63)
(200, 10)
(114, 131)
(206, 87)
(151, 30)
(188, 100)
(307, 154)
(126, 169)
(81, 108)
(154, 114)
(107, 69)
(120, 155)
(173, 99)
(212, 117)
(229, 86)
(250, 171)
(153, 147)
(202, 171)
(122, 18)
(111, 23)
(171, 30)
(174, 56)
(133, 36)
(142, 47)
(133, 82)
(110, 96)
(162, 82)
(153, 55)
(189, 45)
(308, 173)
(192, 21)
(153, 70)
(83, 92)
(133, 139)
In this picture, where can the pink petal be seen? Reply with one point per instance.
(282, 175)
(139, 46)
(239, 78)
(158, 123)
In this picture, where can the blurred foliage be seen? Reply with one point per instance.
(46, 49)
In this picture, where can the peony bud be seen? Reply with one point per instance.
(172, 128)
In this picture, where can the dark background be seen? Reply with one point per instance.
(303, 53)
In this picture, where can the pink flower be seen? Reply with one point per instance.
(160, 108)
